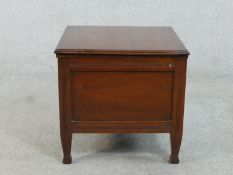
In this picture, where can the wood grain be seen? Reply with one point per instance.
(121, 80)
(120, 40)
(121, 96)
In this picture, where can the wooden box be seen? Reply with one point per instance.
(121, 80)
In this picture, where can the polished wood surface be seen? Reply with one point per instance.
(122, 91)
(120, 40)
(121, 96)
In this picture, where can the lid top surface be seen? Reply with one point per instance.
(120, 40)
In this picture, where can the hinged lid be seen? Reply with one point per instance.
(120, 40)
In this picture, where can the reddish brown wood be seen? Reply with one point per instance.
(121, 80)
(178, 115)
(65, 121)
(122, 126)
(120, 40)
(121, 96)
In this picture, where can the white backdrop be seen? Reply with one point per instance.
(29, 133)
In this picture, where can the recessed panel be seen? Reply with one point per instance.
(121, 96)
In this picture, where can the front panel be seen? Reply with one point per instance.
(121, 96)
(129, 91)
